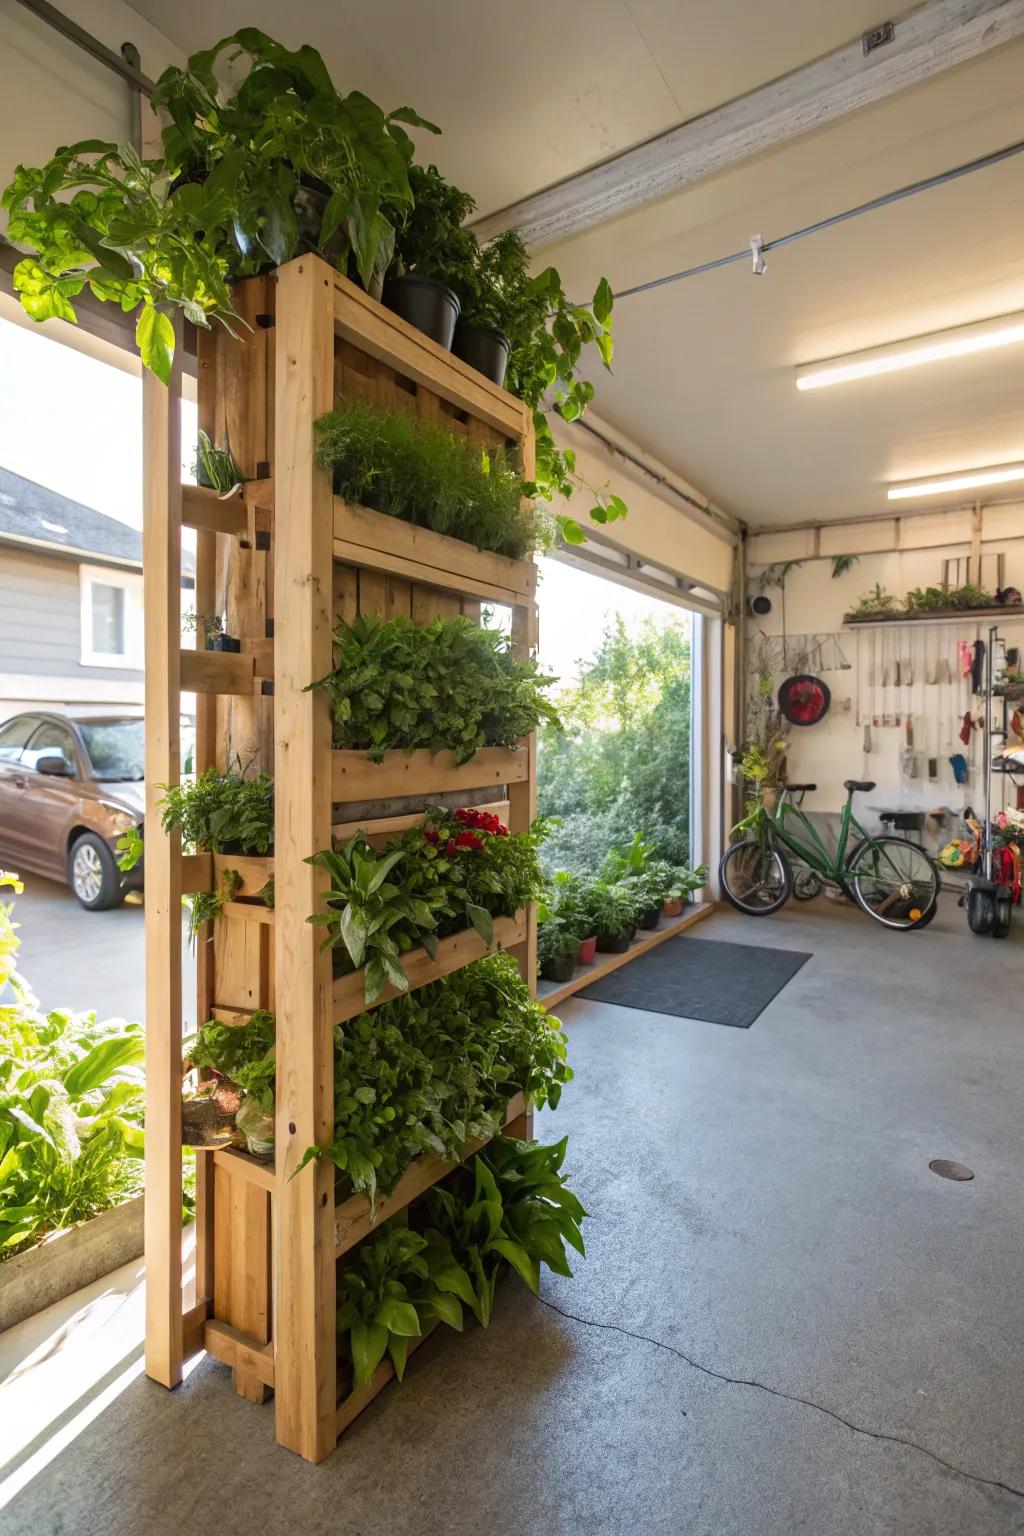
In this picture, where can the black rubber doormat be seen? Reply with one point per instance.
(701, 979)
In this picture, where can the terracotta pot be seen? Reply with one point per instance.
(672, 908)
(587, 951)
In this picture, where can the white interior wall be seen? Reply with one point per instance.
(815, 603)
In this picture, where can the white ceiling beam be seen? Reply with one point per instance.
(935, 37)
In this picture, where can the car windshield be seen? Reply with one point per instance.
(116, 749)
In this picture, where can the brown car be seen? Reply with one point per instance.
(69, 787)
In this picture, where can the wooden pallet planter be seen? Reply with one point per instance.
(284, 560)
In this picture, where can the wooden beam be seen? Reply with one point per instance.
(303, 578)
(935, 37)
(161, 554)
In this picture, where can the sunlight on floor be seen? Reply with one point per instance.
(62, 1368)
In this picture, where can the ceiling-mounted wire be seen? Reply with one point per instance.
(886, 198)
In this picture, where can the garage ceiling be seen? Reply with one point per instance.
(531, 94)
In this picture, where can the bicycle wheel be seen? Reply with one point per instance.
(755, 878)
(894, 881)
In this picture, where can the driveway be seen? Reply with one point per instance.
(81, 960)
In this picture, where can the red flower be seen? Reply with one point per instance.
(449, 847)
(430, 833)
(469, 840)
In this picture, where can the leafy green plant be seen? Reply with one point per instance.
(71, 1100)
(216, 467)
(206, 625)
(945, 598)
(843, 563)
(395, 1285)
(876, 604)
(452, 684)
(280, 163)
(130, 848)
(243, 1054)
(611, 908)
(204, 906)
(512, 1208)
(631, 860)
(557, 940)
(434, 1069)
(222, 812)
(431, 239)
(372, 916)
(423, 474)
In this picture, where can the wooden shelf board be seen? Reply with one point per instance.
(379, 542)
(196, 873)
(453, 953)
(353, 1219)
(553, 993)
(945, 616)
(255, 870)
(355, 777)
(244, 1166)
(217, 672)
(391, 340)
(378, 829)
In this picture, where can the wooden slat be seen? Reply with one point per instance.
(254, 870)
(305, 1367)
(453, 953)
(196, 873)
(193, 1322)
(241, 1166)
(378, 829)
(391, 340)
(233, 1347)
(433, 557)
(224, 672)
(242, 1287)
(248, 912)
(583, 975)
(353, 1219)
(204, 509)
(161, 545)
(355, 777)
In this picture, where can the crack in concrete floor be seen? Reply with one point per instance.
(789, 1397)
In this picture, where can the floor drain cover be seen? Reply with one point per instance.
(948, 1170)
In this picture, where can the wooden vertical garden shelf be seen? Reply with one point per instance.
(285, 560)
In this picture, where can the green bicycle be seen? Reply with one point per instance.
(890, 878)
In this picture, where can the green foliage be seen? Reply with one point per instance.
(71, 1100)
(205, 625)
(431, 241)
(394, 1286)
(943, 599)
(453, 684)
(129, 848)
(204, 906)
(222, 812)
(434, 1069)
(557, 939)
(424, 474)
(623, 763)
(875, 604)
(454, 870)
(843, 563)
(216, 467)
(241, 1053)
(224, 200)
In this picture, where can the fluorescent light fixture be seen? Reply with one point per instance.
(1003, 331)
(964, 480)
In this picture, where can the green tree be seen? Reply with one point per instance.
(623, 762)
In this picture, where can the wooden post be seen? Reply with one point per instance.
(523, 797)
(161, 554)
(305, 1372)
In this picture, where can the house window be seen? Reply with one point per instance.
(111, 617)
(107, 619)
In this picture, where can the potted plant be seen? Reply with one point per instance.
(431, 249)
(683, 883)
(557, 945)
(612, 914)
(247, 178)
(568, 898)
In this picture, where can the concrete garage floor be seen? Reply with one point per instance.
(785, 1321)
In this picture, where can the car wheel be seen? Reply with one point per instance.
(93, 875)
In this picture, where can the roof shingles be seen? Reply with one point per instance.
(30, 512)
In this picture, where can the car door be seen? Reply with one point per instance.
(48, 799)
(14, 736)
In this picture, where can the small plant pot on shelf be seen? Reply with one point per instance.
(560, 969)
(672, 908)
(484, 349)
(650, 918)
(429, 306)
(614, 943)
(587, 952)
(223, 643)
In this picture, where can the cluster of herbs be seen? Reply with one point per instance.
(425, 1073)
(879, 604)
(423, 474)
(452, 684)
(247, 178)
(71, 1104)
(452, 871)
(632, 889)
(511, 1209)
(222, 812)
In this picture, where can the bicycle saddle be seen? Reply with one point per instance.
(801, 788)
(855, 786)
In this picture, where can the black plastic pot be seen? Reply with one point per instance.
(484, 349)
(223, 643)
(559, 970)
(429, 306)
(309, 202)
(613, 943)
(650, 917)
